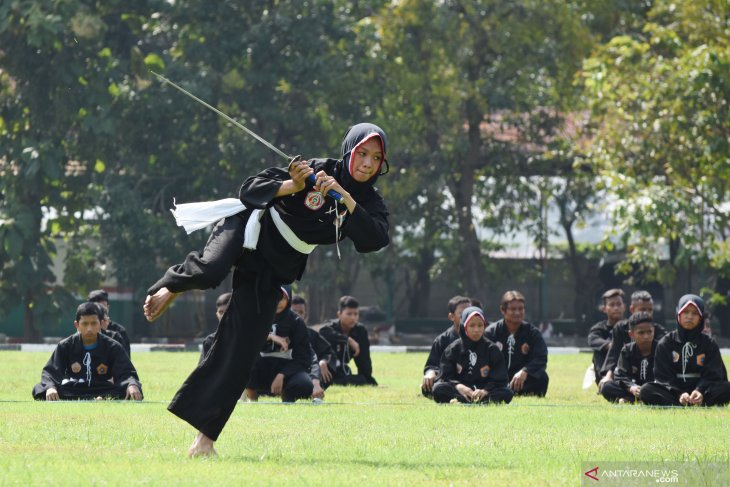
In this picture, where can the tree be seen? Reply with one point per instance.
(659, 106)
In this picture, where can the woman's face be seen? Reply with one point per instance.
(366, 160)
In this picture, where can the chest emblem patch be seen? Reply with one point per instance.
(484, 371)
(701, 359)
(102, 369)
(75, 367)
(500, 346)
(525, 349)
(314, 200)
(675, 357)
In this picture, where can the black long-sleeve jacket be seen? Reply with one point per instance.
(633, 368)
(333, 333)
(619, 338)
(298, 356)
(599, 339)
(526, 349)
(685, 366)
(479, 365)
(439, 345)
(71, 361)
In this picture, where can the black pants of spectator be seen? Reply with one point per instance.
(342, 379)
(654, 394)
(613, 391)
(446, 391)
(76, 391)
(534, 386)
(296, 386)
(209, 395)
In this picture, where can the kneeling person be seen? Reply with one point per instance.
(635, 363)
(88, 364)
(472, 368)
(284, 367)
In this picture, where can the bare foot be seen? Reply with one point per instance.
(249, 395)
(157, 304)
(202, 447)
(622, 401)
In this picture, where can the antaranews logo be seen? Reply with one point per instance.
(652, 473)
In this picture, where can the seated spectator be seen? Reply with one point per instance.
(641, 301)
(221, 305)
(635, 363)
(522, 345)
(688, 368)
(599, 337)
(472, 368)
(286, 359)
(88, 364)
(299, 306)
(102, 297)
(349, 339)
(432, 369)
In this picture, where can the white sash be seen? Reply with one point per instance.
(194, 216)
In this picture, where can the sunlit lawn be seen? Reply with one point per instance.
(389, 435)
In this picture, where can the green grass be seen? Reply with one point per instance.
(388, 435)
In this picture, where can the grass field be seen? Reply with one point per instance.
(388, 435)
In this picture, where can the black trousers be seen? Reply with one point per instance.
(534, 386)
(613, 391)
(654, 394)
(342, 379)
(446, 391)
(296, 386)
(81, 392)
(209, 395)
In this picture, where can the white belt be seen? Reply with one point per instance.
(289, 235)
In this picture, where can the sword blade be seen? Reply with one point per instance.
(234, 122)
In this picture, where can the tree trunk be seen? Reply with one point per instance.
(30, 334)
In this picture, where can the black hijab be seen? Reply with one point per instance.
(355, 136)
(697, 302)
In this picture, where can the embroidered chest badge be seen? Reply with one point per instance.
(75, 367)
(675, 357)
(314, 200)
(701, 359)
(102, 369)
(499, 346)
(484, 371)
(525, 348)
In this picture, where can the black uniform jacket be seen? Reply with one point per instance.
(688, 365)
(474, 364)
(441, 343)
(619, 338)
(311, 216)
(633, 368)
(107, 361)
(333, 333)
(528, 351)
